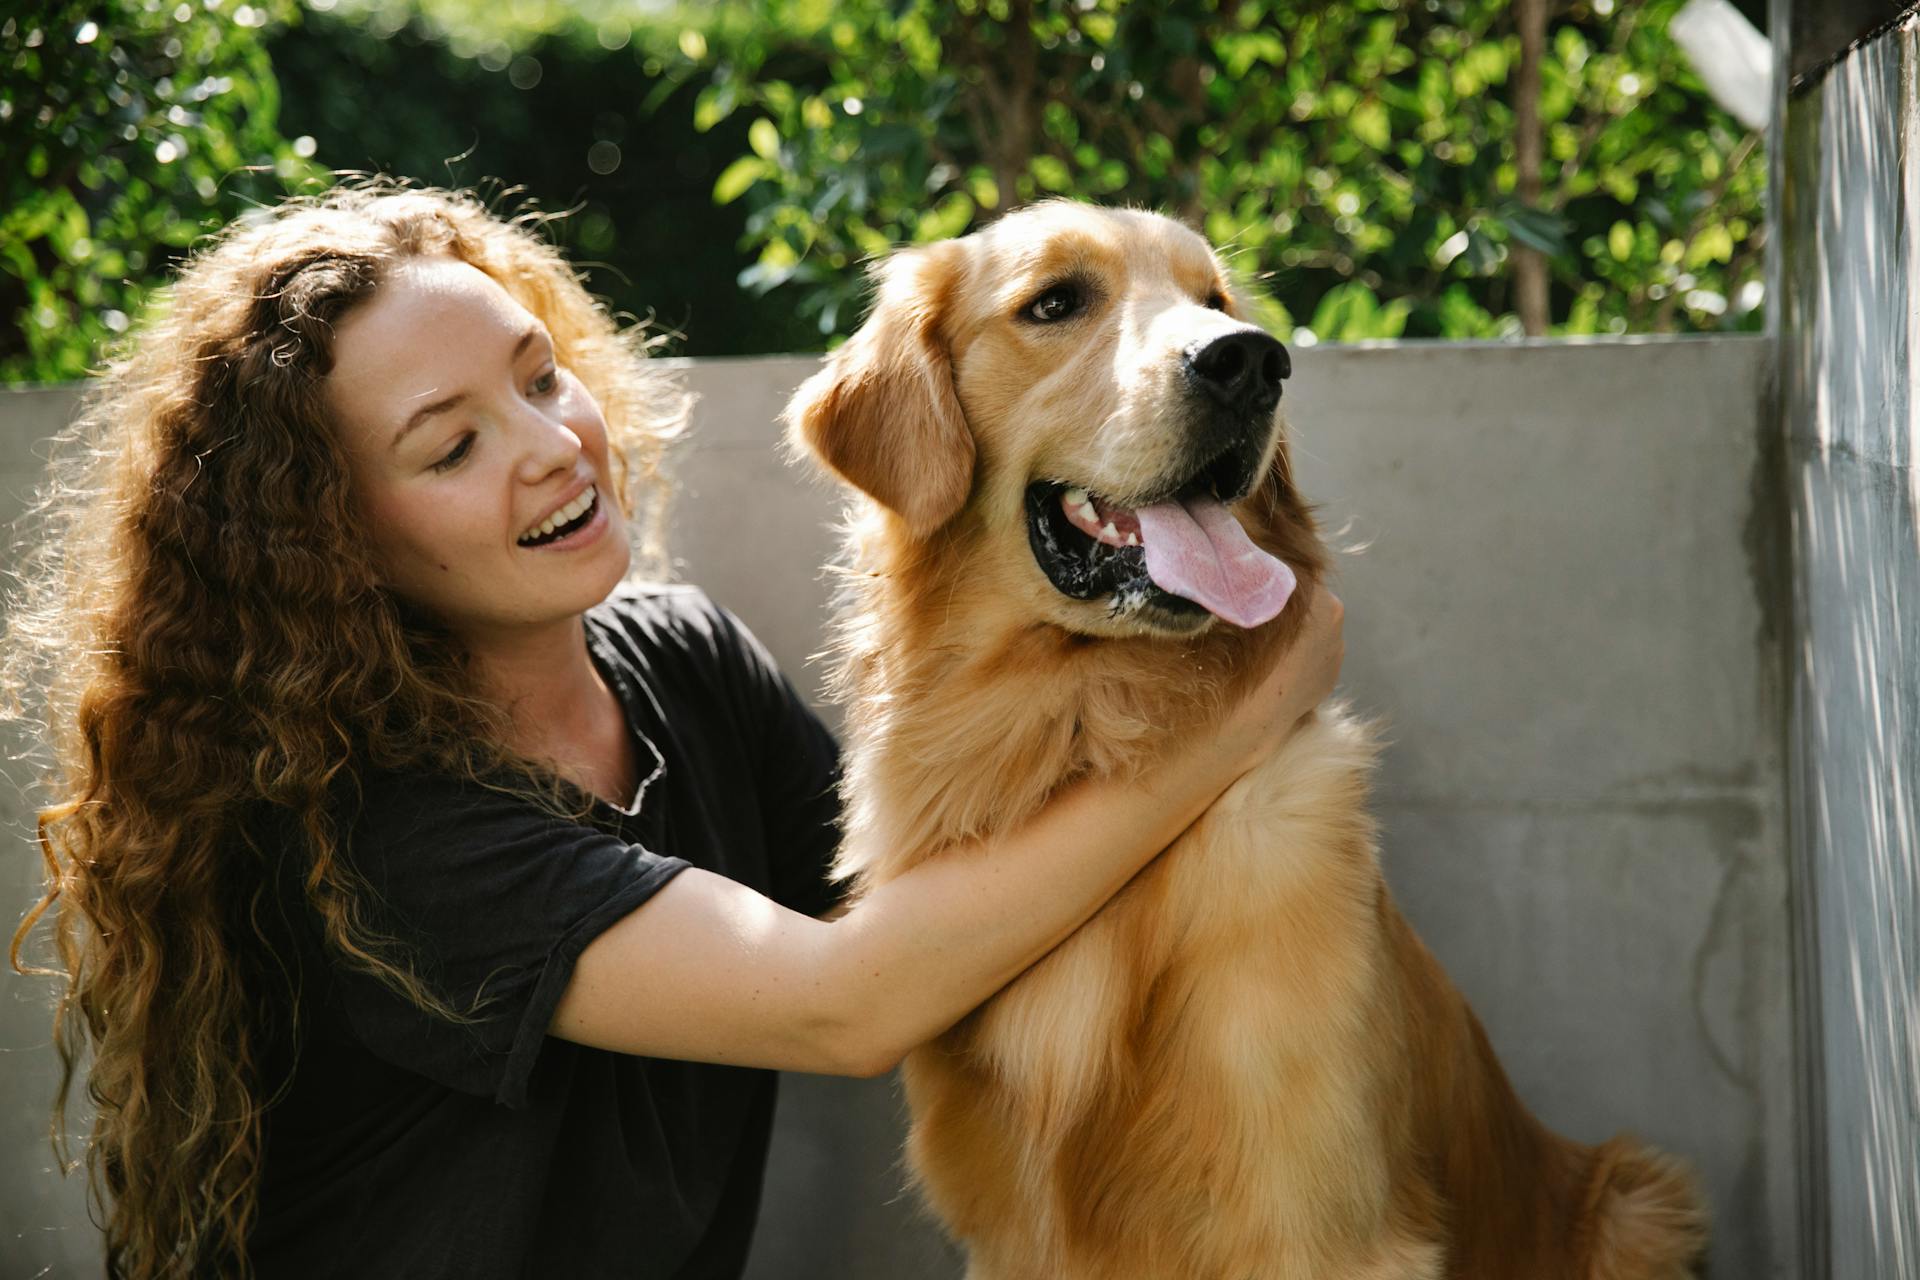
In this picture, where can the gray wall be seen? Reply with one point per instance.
(1849, 261)
(43, 1222)
(1559, 612)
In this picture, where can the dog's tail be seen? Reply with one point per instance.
(1643, 1217)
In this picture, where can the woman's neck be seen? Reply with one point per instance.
(549, 685)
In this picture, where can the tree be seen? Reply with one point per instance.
(561, 107)
(1356, 158)
(1359, 159)
(128, 130)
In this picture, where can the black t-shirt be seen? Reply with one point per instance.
(409, 1146)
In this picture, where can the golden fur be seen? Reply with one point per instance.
(1245, 1066)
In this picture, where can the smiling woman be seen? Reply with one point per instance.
(486, 494)
(420, 882)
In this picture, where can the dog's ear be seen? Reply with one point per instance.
(883, 414)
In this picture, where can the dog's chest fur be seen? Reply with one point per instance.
(1194, 1054)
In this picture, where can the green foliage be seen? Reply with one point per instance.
(1356, 158)
(561, 107)
(128, 128)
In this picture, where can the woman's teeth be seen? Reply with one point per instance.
(571, 511)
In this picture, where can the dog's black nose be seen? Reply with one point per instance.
(1242, 371)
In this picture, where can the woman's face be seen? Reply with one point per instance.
(465, 442)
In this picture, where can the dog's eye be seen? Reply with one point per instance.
(1057, 303)
(1217, 300)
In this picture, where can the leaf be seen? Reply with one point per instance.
(1461, 317)
(986, 193)
(1051, 173)
(949, 218)
(888, 141)
(762, 277)
(1536, 229)
(1346, 312)
(737, 177)
(713, 104)
(1482, 255)
(764, 137)
(1369, 124)
(1713, 244)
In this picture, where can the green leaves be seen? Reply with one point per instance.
(764, 138)
(141, 128)
(1357, 159)
(738, 176)
(1535, 228)
(1351, 313)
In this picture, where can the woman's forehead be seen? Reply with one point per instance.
(444, 289)
(431, 325)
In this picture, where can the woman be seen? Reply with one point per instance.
(429, 901)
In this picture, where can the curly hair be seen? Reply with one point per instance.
(201, 638)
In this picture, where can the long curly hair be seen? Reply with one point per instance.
(201, 641)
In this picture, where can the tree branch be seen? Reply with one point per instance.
(1529, 265)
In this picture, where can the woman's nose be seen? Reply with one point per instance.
(548, 444)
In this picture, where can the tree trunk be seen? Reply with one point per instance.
(1529, 265)
(1004, 108)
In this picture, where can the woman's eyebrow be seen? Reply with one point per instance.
(534, 330)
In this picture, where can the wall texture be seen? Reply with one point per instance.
(1556, 600)
(43, 1223)
(1849, 262)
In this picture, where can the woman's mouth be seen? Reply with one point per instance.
(574, 518)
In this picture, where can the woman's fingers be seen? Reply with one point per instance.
(1317, 652)
(1302, 679)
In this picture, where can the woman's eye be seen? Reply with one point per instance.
(454, 455)
(1057, 303)
(546, 382)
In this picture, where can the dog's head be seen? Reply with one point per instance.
(1073, 402)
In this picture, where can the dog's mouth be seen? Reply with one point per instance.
(1173, 558)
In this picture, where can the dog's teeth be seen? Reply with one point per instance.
(1087, 512)
(1133, 539)
(1108, 531)
(1076, 497)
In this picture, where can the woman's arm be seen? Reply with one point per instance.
(709, 970)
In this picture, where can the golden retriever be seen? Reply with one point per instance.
(1075, 520)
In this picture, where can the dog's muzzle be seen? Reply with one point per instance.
(1232, 391)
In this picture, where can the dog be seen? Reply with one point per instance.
(1073, 538)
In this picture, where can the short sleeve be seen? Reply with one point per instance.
(492, 900)
(797, 771)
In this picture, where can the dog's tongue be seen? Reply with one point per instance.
(1198, 551)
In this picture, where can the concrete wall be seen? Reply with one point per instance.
(1849, 260)
(1559, 612)
(43, 1222)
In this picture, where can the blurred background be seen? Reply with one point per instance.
(1384, 168)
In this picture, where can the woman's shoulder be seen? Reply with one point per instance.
(650, 623)
(691, 656)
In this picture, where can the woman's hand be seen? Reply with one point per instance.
(1298, 683)
(710, 970)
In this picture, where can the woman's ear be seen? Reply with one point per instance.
(883, 414)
